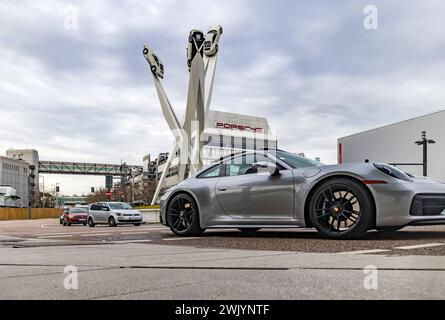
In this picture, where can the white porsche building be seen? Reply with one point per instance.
(395, 143)
(226, 133)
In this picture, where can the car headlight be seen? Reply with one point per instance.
(118, 214)
(392, 171)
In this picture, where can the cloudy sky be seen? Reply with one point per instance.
(84, 93)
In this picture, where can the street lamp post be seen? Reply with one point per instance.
(424, 142)
(43, 187)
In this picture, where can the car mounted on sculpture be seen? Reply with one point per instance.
(195, 41)
(156, 65)
(212, 39)
(277, 189)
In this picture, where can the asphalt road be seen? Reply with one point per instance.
(149, 262)
(408, 241)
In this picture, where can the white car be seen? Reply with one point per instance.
(195, 40)
(113, 214)
(156, 65)
(212, 39)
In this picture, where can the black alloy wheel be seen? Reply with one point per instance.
(342, 209)
(182, 216)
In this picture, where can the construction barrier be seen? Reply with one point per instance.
(23, 213)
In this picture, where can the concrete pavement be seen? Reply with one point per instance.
(147, 271)
(149, 262)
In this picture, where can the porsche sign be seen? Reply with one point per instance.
(241, 127)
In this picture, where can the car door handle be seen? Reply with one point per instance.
(225, 188)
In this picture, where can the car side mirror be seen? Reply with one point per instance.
(105, 209)
(266, 166)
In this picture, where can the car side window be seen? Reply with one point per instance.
(242, 164)
(211, 173)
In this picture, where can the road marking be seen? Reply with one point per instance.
(364, 251)
(59, 236)
(132, 241)
(95, 234)
(175, 239)
(136, 232)
(426, 245)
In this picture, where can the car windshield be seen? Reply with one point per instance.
(296, 161)
(78, 210)
(120, 206)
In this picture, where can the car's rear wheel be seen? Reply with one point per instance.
(183, 216)
(91, 222)
(341, 209)
(112, 222)
(136, 224)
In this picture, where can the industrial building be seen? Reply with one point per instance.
(31, 157)
(14, 175)
(225, 133)
(396, 144)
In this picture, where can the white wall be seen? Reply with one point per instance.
(395, 143)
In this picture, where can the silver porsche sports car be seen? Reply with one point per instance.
(276, 189)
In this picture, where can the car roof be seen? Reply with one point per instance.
(264, 150)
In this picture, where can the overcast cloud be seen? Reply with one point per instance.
(309, 67)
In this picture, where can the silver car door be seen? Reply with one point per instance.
(245, 194)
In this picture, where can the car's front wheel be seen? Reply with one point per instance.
(183, 216)
(91, 222)
(112, 222)
(342, 209)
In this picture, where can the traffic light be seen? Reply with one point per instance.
(57, 189)
(92, 189)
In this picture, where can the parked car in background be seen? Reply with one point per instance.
(75, 216)
(113, 214)
(212, 39)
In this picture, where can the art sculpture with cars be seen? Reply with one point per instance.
(113, 214)
(278, 189)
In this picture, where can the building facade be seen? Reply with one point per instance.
(225, 133)
(31, 156)
(15, 174)
(395, 143)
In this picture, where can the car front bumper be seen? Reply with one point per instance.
(77, 220)
(129, 219)
(398, 204)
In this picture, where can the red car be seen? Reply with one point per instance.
(75, 216)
